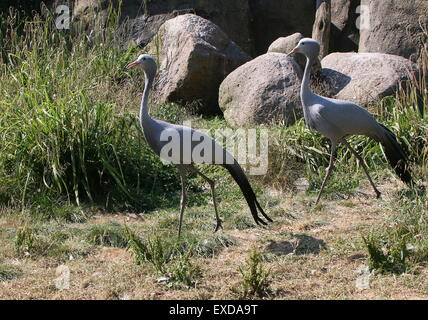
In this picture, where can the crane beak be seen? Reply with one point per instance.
(295, 50)
(132, 65)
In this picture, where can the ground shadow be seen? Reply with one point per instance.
(299, 244)
(336, 81)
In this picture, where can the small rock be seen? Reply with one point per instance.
(411, 247)
(15, 262)
(363, 282)
(362, 269)
(301, 185)
(163, 279)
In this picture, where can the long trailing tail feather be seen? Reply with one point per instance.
(239, 176)
(395, 155)
(262, 211)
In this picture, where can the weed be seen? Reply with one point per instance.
(184, 272)
(25, 240)
(386, 256)
(255, 282)
(153, 250)
(401, 244)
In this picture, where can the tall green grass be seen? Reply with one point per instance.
(65, 132)
(401, 244)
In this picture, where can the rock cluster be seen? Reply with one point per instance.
(212, 53)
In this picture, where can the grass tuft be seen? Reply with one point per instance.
(401, 245)
(255, 279)
(184, 273)
(110, 234)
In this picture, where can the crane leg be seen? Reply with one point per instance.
(329, 170)
(183, 200)
(360, 160)
(212, 186)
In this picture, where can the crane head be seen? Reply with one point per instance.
(145, 61)
(307, 46)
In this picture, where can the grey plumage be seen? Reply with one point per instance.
(155, 132)
(338, 119)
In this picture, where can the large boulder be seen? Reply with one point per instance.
(287, 44)
(263, 90)
(394, 26)
(364, 78)
(252, 24)
(194, 56)
(141, 20)
(344, 32)
(277, 18)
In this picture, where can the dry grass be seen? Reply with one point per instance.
(313, 253)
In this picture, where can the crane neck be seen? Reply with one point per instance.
(305, 92)
(144, 109)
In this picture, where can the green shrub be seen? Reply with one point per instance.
(255, 279)
(25, 240)
(401, 245)
(184, 272)
(152, 250)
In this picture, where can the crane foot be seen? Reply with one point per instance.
(378, 195)
(219, 225)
